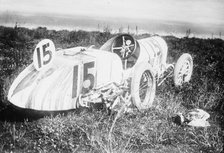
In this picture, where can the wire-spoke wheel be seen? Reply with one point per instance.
(143, 86)
(183, 69)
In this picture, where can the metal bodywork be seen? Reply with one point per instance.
(58, 87)
(66, 79)
(152, 50)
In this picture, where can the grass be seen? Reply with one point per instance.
(152, 130)
(98, 131)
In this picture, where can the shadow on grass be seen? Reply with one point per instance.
(12, 113)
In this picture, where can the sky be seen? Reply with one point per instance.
(211, 11)
(201, 12)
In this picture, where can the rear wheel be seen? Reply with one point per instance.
(143, 86)
(183, 69)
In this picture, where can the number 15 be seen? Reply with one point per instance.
(88, 78)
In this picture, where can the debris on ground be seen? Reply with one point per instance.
(194, 117)
(113, 95)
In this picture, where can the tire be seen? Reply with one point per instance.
(142, 72)
(183, 69)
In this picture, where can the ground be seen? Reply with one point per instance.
(93, 130)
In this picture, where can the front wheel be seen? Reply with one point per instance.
(183, 69)
(143, 86)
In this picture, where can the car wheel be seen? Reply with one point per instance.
(183, 69)
(143, 86)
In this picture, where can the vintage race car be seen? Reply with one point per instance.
(122, 70)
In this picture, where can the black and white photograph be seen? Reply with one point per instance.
(112, 76)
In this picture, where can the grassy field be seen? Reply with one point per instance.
(92, 130)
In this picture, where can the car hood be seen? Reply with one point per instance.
(58, 86)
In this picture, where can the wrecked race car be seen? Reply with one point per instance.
(123, 70)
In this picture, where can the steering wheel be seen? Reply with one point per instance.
(124, 45)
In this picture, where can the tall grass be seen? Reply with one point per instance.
(92, 130)
(97, 131)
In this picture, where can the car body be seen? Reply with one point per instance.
(74, 77)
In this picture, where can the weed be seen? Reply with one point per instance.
(98, 131)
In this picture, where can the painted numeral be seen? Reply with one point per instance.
(43, 54)
(46, 53)
(75, 81)
(88, 78)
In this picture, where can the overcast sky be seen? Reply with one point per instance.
(196, 11)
